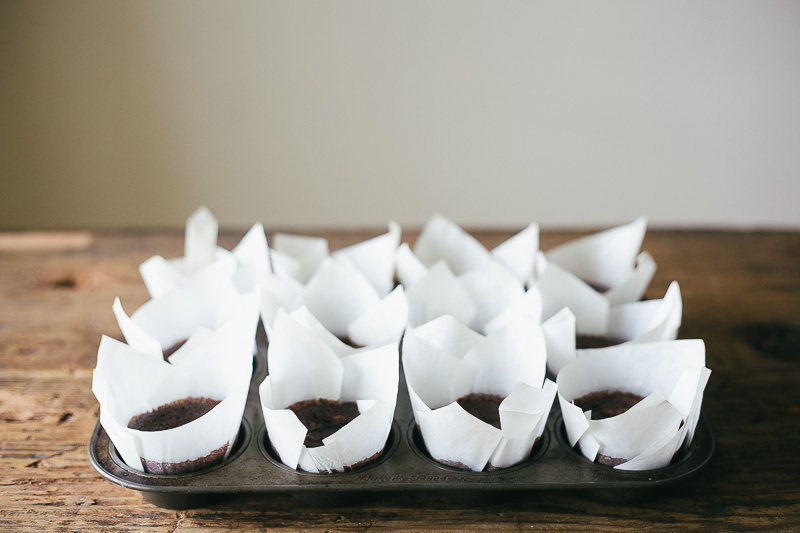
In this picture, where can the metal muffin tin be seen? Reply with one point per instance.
(404, 466)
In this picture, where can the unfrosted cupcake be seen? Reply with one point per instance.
(351, 292)
(609, 261)
(163, 324)
(244, 265)
(634, 406)
(480, 402)
(450, 273)
(327, 407)
(568, 336)
(442, 239)
(178, 416)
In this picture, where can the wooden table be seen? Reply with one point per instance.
(741, 294)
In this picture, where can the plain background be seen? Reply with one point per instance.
(351, 113)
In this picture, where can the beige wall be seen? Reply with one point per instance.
(353, 112)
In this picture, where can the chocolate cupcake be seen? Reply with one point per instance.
(327, 407)
(478, 401)
(244, 265)
(174, 415)
(450, 273)
(163, 324)
(443, 240)
(351, 291)
(634, 406)
(178, 416)
(609, 261)
(642, 321)
(483, 299)
(323, 418)
(591, 276)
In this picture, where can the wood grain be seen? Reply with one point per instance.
(741, 294)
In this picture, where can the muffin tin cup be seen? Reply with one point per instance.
(404, 466)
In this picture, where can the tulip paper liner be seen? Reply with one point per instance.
(306, 363)
(349, 292)
(437, 292)
(444, 360)
(648, 320)
(559, 337)
(212, 364)
(205, 300)
(610, 261)
(634, 322)
(299, 256)
(443, 240)
(671, 377)
(342, 299)
(450, 273)
(484, 298)
(245, 264)
(559, 288)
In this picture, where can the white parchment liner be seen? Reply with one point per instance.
(443, 240)
(483, 298)
(451, 273)
(444, 360)
(350, 292)
(305, 363)
(245, 264)
(207, 299)
(435, 293)
(610, 259)
(559, 288)
(648, 320)
(212, 364)
(635, 322)
(299, 257)
(670, 375)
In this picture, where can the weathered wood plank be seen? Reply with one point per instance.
(56, 302)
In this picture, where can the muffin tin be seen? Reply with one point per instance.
(404, 466)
